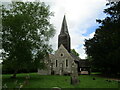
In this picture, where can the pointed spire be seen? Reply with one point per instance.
(64, 37)
(64, 28)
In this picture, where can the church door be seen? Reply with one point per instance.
(61, 68)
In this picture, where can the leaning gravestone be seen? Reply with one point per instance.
(74, 76)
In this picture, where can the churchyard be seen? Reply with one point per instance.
(34, 80)
(26, 31)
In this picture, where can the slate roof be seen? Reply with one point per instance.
(82, 62)
(76, 58)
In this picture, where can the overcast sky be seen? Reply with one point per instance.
(81, 18)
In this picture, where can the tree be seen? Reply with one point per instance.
(74, 52)
(26, 31)
(104, 47)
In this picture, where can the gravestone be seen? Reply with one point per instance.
(74, 76)
(56, 88)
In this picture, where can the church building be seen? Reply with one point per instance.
(63, 62)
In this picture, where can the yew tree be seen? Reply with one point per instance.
(104, 47)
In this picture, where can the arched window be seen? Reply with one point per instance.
(66, 63)
(56, 63)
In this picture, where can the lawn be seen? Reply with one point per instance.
(40, 81)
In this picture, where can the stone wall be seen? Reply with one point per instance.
(60, 63)
(60, 58)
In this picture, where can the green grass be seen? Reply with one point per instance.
(40, 81)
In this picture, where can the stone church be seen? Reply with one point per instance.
(63, 62)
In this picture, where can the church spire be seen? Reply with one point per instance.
(64, 28)
(64, 37)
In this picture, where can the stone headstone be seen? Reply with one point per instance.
(74, 80)
(74, 76)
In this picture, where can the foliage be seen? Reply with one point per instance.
(50, 81)
(74, 52)
(26, 31)
(104, 47)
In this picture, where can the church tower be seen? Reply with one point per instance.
(64, 37)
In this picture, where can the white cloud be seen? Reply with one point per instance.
(80, 15)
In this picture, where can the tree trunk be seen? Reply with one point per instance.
(14, 75)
